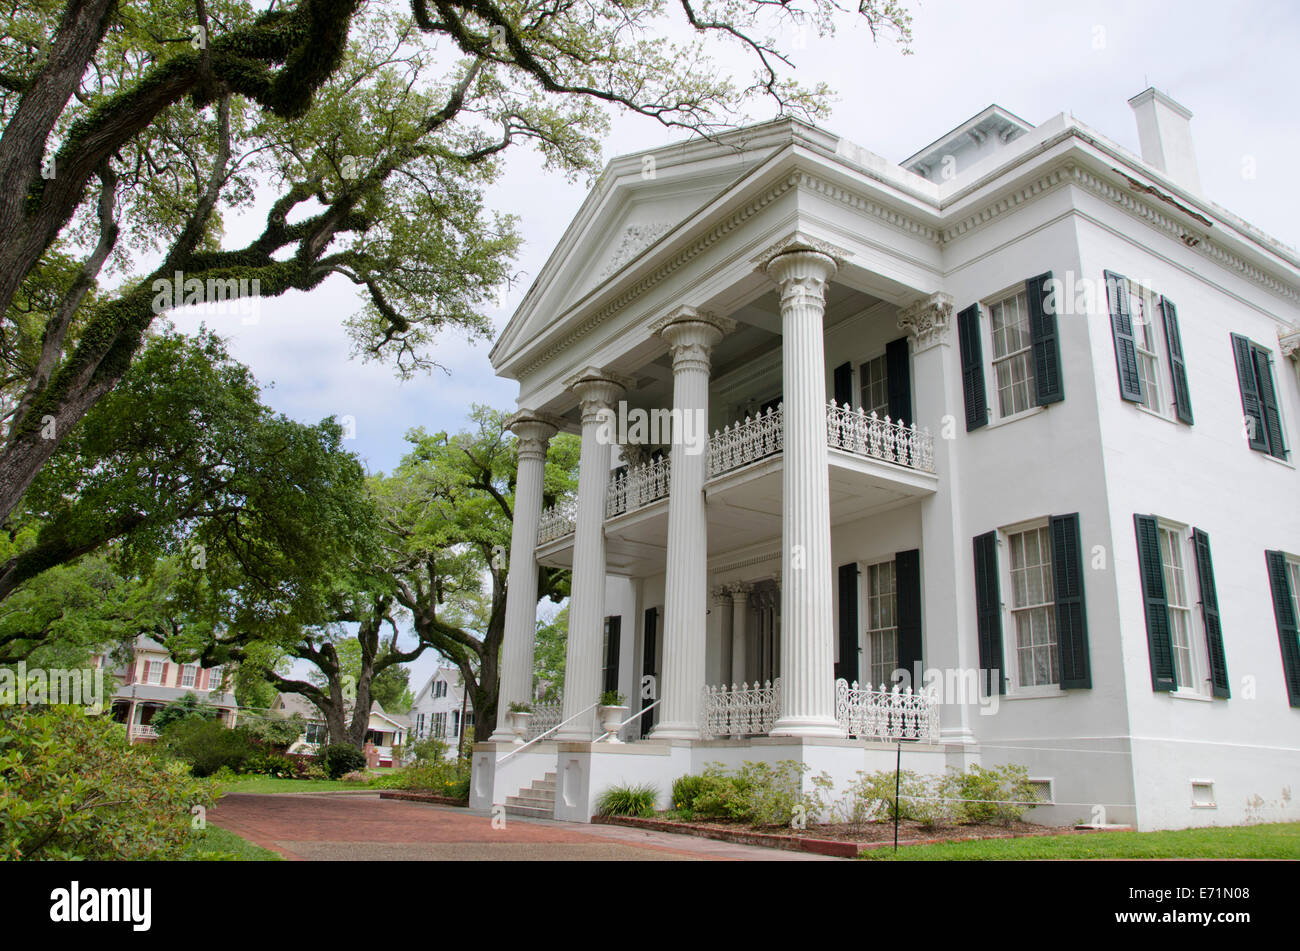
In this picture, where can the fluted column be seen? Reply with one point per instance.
(739, 635)
(722, 601)
(597, 392)
(691, 336)
(807, 629)
(533, 434)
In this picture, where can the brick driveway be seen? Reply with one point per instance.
(366, 828)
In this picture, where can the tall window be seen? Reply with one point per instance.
(440, 688)
(1174, 563)
(214, 679)
(315, 733)
(1012, 363)
(882, 623)
(1293, 576)
(1033, 611)
(189, 673)
(440, 725)
(1145, 312)
(874, 388)
(154, 672)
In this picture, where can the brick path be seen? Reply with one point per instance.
(367, 828)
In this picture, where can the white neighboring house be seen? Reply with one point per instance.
(384, 731)
(439, 707)
(978, 421)
(151, 680)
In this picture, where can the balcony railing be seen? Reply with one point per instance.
(732, 447)
(865, 434)
(886, 714)
(546, 716)
(558, 520)
(742, 710)
(638, 486)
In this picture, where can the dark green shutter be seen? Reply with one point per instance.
(1210, 615)
(1071, 610)
(1268, 402)
(847, 668)
(614, 629)
(1174, 344)
(988, 608)
(1287, 623)
(1044, 341)
(648, 652)
(907, 587)
(1121, 330)
(843, 384)
(1160, 645)
(1243, 353)
(972, 367)
(898, 380)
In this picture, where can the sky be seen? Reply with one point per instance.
(1232, 65)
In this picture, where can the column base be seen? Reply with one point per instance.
(504, 736)
(806, 726)
(675, 731)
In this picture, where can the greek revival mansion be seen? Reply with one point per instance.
(987, 456)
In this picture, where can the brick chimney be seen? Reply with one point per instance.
(1165, 134)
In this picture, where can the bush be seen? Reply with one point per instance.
(429, 750)
(72, 787)
(997, 790)
(188, 707)
(274, 732)
(637, 801)
(207, 746)
(761, 794)
(264, 763)
(685, 791)
(340, 758)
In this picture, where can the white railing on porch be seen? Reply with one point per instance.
(738, 445)
(742, 710)
(638, 486)
(546, 716)
(143, 731)
(865, 434)
(558, 520)
(886, 713)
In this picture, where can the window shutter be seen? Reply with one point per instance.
(1210, 614)
(898, 380)
(1121, 329)
(1174, 344)
(1287, 622)
(972, 367)
(1071, 611)
(1160, 645)
(1243, 352)
(988, 607)
(614, 625)
(166, 669)
(648, 666)
(1268, 402)
(1044, 341)
(847, 668)
(907, 588)
(843, 382)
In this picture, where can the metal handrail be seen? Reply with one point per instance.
(635, 716)
(542, 736)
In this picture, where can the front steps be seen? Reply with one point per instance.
(537, 801)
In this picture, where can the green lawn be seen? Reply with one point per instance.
(270, 784)
(215, 844)
(1278, 840)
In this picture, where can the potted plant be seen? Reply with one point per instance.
(520, 715)
(612, 713)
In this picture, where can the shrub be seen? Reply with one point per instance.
(638, 801)
(274, 732)
(265, 763)
(685, 790)
(188, 707)
(429, 750)
(206, 745)
(996, 791)
(611, 698)
(340, 758)
(356, 776)
(72, 787)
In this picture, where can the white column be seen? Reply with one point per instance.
(722, 605)
(691, 336)
(533, 433)
(597, 391)
(807, 629)
(739, 635)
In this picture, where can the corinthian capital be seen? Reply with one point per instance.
(927, 321)
(533, 432)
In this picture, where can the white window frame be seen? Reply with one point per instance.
(1155, 371)
(865, 631)
(1010, 631)
(858, 401)
(1292, 566)
(1169, 533)
(991, 389)
(189, 675)
(214, 679)
(439, 689)
(149, 667)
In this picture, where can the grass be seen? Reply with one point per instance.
(1277, 840)
(215, 844)
(271, 784)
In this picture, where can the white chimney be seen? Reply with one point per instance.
(1165, 133)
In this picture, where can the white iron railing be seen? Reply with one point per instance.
(546, 717)
(558, 520)
(738, 445)
(742, 710)
(886, 713)
(638, 486)
(143, 731)
(866, 434)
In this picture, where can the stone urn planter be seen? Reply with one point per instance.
(610, 719)
(519, 720)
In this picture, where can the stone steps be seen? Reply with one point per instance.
(537, 800)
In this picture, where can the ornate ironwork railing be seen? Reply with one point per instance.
(558, 520)
(638, 486)
(886, 714)
(742, 710)
(738, 445)
(546, 716)
(866, 434)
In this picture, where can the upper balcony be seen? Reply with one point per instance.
(874, 464)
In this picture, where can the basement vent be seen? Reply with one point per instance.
(1203, 794)
(1041, 790)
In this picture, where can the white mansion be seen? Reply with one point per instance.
(1009, 425)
